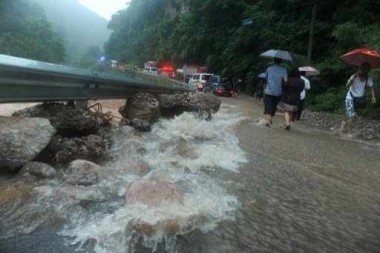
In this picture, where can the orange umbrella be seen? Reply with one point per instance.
(361, 55)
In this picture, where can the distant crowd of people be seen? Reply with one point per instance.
(291, 91)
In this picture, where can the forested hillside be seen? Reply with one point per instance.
(25, 32)
(211, 32)
(83, 31)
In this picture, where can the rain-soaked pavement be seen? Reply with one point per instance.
(306, 190)
(303, 191)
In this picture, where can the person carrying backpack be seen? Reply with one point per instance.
(356, 98)
(358, 85)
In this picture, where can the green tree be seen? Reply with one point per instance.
(210, 32)
(25, 32)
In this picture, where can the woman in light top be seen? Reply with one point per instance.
(358, 85)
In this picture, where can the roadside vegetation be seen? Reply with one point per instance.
(211, 32)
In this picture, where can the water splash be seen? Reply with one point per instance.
(180, 151)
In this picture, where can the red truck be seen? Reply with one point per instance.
(167, 70)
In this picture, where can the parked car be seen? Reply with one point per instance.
(220, 87)
(201, 81)
(151, 70)
(215, 81)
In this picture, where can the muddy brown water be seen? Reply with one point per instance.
(306, 190)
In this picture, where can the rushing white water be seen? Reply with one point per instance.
(181, 151)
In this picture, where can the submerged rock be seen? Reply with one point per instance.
(141, 125)
(167, 226)
(140, 168)
(175, 104)
(142, 106)
(65, 150)
(81, 172)
(12, 193)
(39, 170)
(22, 139)
(69, 121)
(153, 193)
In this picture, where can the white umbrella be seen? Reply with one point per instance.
(310, 71)
(274, 53)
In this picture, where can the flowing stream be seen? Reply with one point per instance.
(246, 188)
(183, 151)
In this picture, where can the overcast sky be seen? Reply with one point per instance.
(105, 8)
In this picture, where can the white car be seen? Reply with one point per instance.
(151, 70)
(200, 80)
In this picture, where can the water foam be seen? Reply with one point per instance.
(179, 151)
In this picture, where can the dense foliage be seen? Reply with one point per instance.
(25, 32)
(211, 32)
(82, 30)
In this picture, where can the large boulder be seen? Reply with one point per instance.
(38, 170)
(153, 193)
(64, 150)
(22, 139)
(175, 104)
(69, 121)
(142, 106)
(81, 172)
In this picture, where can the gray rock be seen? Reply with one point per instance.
(175, 104)
(22, 140)
(65, 150)
(141, 125)
(39, 170)
(153, 193)
(81, 172)
(142, 106)
(69, 121)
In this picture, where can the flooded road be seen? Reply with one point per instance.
(304, 191)
(253, 189)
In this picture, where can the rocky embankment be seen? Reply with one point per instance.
(69, 146)
(360, 128)
(56, 136)
(143, 109)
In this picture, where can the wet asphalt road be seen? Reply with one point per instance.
(301, 191)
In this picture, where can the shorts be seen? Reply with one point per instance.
(350, 108)
(270, 104)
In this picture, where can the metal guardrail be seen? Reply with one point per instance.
(23, 80)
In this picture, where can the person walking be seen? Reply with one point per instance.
(292, 96)
(356, 98)
(275, 77)
(301, 105)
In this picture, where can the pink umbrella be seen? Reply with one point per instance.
(310, 71)
(359, 56)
